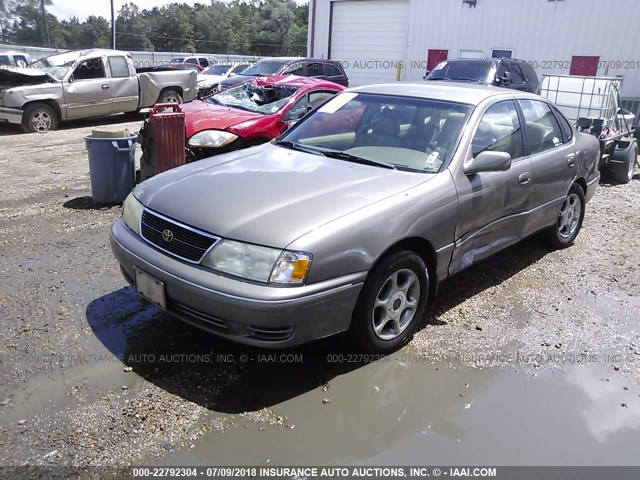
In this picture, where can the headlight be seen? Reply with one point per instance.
(264, 264)
(132, 213)
(212, 139)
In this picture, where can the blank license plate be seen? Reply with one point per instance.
(150, 288)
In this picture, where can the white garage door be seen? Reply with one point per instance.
(369, 37)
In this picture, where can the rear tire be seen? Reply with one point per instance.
(563, 233)
(623, 172)
(391, 303)
(170, 96)
(39, 117)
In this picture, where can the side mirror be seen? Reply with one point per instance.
(487, 162)
(506, 78)
(286, 125)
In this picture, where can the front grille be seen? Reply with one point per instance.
(177, 239)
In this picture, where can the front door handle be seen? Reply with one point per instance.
(571, 161)
(524, 178)
(105, 86)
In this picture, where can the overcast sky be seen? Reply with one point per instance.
(83, 8)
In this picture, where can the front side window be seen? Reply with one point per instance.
(405, 133)
(315, 70)
(265, 67)
(20, 60)
(543, 130)
(254, 97)
(89, 70)
(499, 131)
(192, 60)
(331, 70)
(295, 69)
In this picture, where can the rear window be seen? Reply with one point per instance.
(473, 70)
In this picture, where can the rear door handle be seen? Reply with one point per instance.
(524, 178)
(105, 86)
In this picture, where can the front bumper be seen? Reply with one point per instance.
(244, 312)
(11, 115)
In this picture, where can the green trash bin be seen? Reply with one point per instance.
(112, 168)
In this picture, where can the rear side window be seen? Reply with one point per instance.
(5, 60)
(119, 67)
(565, 126)
(543, 130)
(331, 70)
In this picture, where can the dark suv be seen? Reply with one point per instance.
(501, 72)
(304, 67)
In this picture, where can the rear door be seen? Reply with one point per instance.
(553, 162)
(87, 90)
(492, 206)
(123, 85)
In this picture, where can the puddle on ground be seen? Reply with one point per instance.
(395, 412)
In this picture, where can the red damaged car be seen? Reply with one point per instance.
(251, 113)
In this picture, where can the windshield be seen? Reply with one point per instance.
(414, 134)
(216, 70)
(473, 70)
(56, 65)
(251, 96)
(265, 67)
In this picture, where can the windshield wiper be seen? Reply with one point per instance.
(356, 159)
(297, 146)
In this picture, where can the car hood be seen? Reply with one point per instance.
(201, 116)
(269, 195)
(18, 77)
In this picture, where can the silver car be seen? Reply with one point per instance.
(352, 218)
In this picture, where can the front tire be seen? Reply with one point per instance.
(170, 96)
(39, 117)
(564, 232)
(391, 303)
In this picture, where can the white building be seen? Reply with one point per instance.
(373, 37)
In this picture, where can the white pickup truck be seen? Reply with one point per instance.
(86, 83)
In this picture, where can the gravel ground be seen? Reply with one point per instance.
(75, 388)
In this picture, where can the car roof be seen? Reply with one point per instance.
(471, 94)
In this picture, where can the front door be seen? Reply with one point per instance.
(492, 206)
(86, 90)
